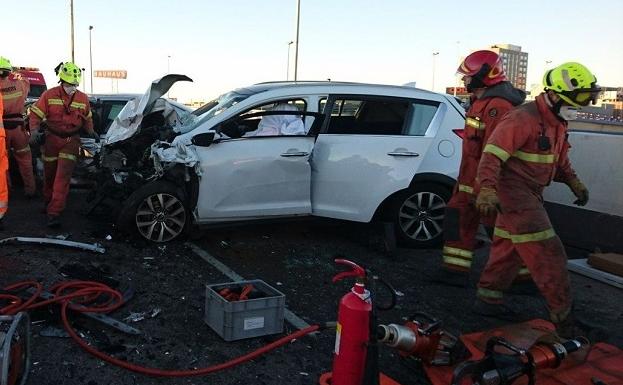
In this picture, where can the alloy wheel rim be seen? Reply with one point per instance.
(421, 216)
(160, 217)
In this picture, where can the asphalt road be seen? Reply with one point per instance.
(295, 257)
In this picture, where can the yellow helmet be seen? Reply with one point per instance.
(69, 73)
(573, 82)
(5, 64)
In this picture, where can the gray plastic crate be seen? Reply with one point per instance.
(245, 319)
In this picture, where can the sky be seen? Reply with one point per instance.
(227, 44)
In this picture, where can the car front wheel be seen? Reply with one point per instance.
(157, 212)
(418, 215)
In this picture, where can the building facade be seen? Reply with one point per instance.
(515, 63)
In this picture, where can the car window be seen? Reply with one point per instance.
(110, 111)
(340, 107)
(368, 116)
(263, 121)
(420, 117)
(379, 116)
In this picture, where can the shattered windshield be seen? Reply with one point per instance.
(213, 108)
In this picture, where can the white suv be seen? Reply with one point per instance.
(349, 151)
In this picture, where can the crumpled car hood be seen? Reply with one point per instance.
(128, 121)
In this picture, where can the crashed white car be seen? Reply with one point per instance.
(349, 151)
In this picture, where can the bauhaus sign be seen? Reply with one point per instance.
(112, 74)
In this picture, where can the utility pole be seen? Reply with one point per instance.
(71, 11)
(168, 71)
(288, 62)
(91, 57)
(434, 56)
(296, 46)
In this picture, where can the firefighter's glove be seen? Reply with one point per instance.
(487, 201)
(37, 137)
(580, 191)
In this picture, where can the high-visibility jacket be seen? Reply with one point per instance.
(65, 114)
(14, 89)
(513, 153)
(4, 166)
(480, 120)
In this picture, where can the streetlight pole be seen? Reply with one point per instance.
(296, 46)
(71, 12)
(91, 57)
(168, 72)
(288, 65)
(434, 56)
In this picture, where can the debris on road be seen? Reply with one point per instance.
(95, 247)
(61, 237)
(51, 331)
(136, 317)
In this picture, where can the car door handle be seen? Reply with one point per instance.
(297, 153)
(403, 153)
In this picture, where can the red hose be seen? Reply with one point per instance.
(68, 294)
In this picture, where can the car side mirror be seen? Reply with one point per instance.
(203, 140)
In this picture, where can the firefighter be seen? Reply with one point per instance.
(492, 95)
(58, 116)
(4, 166)
(526, 152)
(15, 89)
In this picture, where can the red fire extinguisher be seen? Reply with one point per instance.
(353, 329)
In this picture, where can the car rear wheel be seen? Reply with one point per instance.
(157, 212)
(418, 215)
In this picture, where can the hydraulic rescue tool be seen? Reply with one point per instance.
(497, 368)
(423, 340)
(14, 349)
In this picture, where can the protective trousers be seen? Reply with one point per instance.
(461, 215)
(59, 160)
(458, 249)
(4, 166)
(526, 236)
(17, 139)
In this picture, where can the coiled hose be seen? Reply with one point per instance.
(82, 296)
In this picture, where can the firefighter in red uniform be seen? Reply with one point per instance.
(491, 97)
(4, 166)
(59, 115)
(526, 152)
(14, 92)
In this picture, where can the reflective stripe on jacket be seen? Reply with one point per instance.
(481, 120)
(14, 89)
(64, 114)
(513, 149)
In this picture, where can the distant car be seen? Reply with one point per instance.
(349, 151)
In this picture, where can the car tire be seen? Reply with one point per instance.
(417, 214)
(157, 212)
